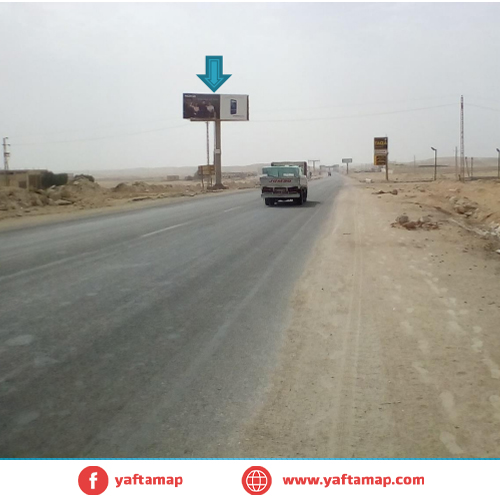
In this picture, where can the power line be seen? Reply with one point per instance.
(75, 131)
(486, 99)
(334, 106)
(483, 107)
(100, 138)
(353, 116)
(378, 103)
(70, 141)
(359, 104)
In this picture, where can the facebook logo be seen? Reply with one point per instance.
(93, 480)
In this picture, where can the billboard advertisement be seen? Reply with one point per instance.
(201, 106)
(233, 107)
(381, 145)
(381, 150)
(209, 107)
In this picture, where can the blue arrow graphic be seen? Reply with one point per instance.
(213, 77)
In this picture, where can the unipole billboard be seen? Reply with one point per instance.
(212, 107)
(216, 108)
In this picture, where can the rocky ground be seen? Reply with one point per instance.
(472, 205)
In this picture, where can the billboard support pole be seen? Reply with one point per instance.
(387, 166)
(218, 157)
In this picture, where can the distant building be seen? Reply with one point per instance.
(24, 179)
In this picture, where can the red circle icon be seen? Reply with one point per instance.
(93, 480)
(256, 480)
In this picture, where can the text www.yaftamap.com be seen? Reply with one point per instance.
(347, 479)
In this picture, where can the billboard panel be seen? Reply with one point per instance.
(233, 107)
(380, 159)
(201, 106)
(209, 107)
(381, 143)
(346, 160)
(206, 170)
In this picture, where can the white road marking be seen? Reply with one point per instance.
(164, 229)
(20, 340)
(229, 209)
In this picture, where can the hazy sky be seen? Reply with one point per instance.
(99, 86)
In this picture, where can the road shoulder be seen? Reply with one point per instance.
(392, 349)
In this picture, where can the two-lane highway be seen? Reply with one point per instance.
(149, 333)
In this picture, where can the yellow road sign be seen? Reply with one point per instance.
(206, 170)
(380, 160)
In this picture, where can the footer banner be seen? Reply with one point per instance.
(127, 479)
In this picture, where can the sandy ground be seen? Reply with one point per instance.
(393, 348)
(475, 204)
(19, 207)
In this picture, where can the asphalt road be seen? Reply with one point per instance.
(150, 333)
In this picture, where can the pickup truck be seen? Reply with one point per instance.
(283, 182)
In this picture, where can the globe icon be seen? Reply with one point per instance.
(256, 481)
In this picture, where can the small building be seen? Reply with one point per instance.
(24, 179)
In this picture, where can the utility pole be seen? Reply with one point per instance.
(435, 162)
(498, 151)
(471, 168)
(462, 146)
(456, 163)
(6, 155)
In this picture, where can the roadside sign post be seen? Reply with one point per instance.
(387, 166)
(347, 161)
(381, 154)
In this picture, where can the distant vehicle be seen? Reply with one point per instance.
(283, 182)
